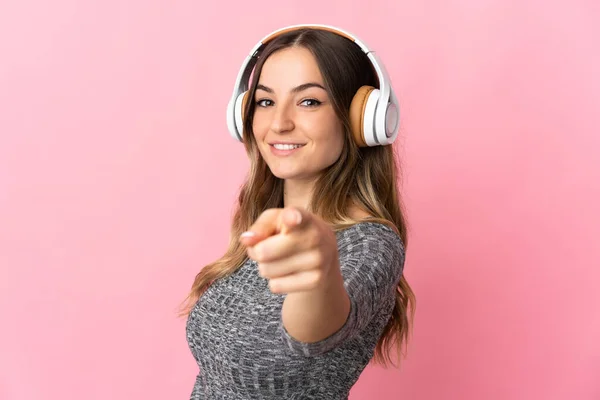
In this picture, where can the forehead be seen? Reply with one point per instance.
(290, 67)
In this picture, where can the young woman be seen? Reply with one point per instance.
(311, 287)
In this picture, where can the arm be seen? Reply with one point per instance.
(371, 262)
(334, 285)
(314, 315)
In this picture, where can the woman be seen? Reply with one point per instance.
(311, 287)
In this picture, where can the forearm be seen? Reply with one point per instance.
(316, 314)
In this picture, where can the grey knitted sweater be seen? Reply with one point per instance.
(243, 351)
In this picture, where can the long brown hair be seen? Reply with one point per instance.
(366, 177)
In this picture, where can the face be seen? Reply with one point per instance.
(295, 126)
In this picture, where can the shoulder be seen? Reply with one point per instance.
(373, 241)
(371, 231)
(371, 235)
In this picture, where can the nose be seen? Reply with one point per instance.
(283, 120)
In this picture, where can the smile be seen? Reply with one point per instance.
(281, 149)
(279, 146)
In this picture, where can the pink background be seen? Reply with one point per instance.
(117, 180)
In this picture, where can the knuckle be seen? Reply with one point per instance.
(262, 270)
(314, 239)
(316, 258)
(259, 252)
(316, 277)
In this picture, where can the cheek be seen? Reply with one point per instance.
(335, 138)
(259, 127)
(330, 144)
(336, 146)
(259, 132)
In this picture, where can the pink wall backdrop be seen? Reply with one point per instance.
(117, 180)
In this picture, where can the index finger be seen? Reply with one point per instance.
(262, 228)
(272, 222)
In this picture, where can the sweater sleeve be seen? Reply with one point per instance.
(371, 261)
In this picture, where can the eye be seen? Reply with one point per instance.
(264, 103)
(310, 102)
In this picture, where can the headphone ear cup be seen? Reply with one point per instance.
(369, 125)
(360, 121)
(240, 106)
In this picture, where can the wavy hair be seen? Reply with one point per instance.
(366, 177)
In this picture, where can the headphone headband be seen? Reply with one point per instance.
(382, 116)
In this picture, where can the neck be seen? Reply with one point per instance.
(297, 193)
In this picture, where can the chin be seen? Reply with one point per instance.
(285, 175)
(289, 174)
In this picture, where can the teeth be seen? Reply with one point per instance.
(286, 146)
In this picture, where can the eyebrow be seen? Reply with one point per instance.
(297, 89)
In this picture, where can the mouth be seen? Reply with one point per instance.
(286, 146)
(285, 149)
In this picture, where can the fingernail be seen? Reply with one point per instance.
(298, 217)
(248, 234)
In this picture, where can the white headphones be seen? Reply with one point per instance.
(374, 112)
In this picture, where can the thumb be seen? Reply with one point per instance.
(291, 217)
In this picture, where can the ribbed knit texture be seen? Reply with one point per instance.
(237, 337)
